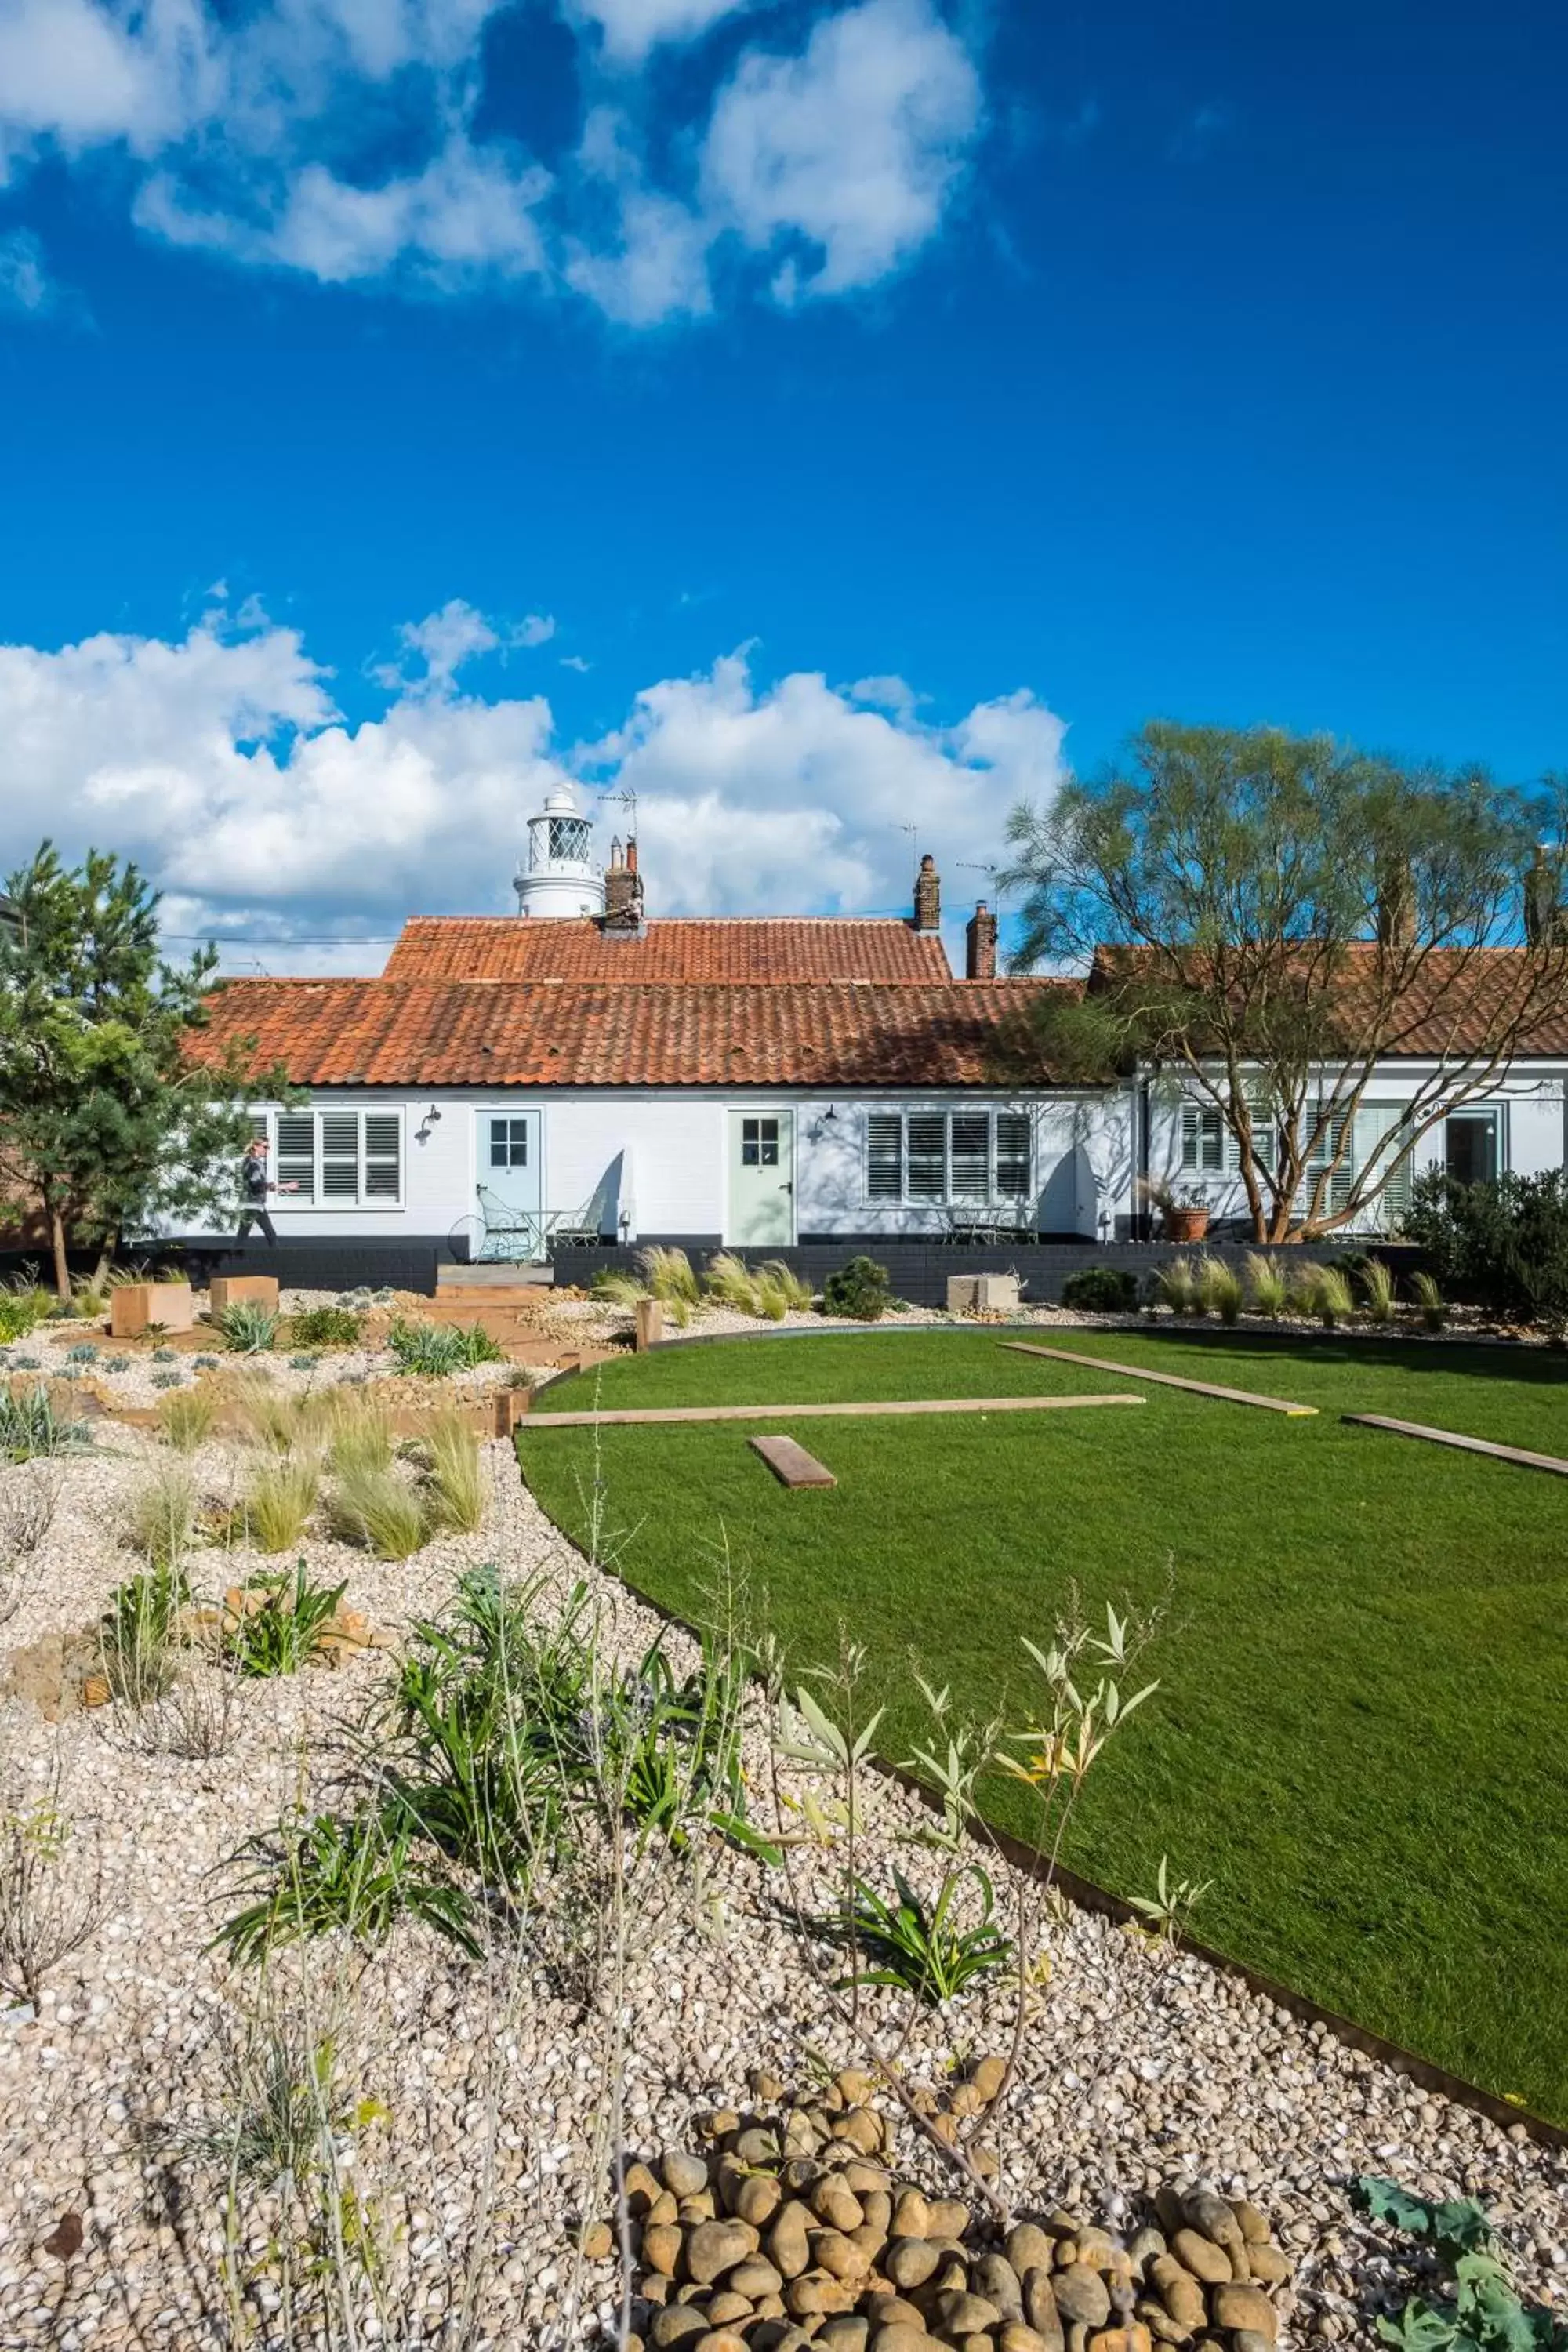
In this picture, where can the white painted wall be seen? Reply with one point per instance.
(1534, 1127)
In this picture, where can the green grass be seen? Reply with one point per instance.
(1359, 1732)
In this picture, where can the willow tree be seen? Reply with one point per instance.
(107, 1121)
(1269, 918)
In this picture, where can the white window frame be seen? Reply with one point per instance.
(1207, 1130)
(947, 1198)
(266, 1122)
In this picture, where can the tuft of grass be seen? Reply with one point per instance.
(731, 1281)
(1378, 1291)
(140, 1632)
(619, 1290)
(1176, 1286)
(670, 1278)
(457, 1473)
(28, 1507)
(1429, 1300)
(185, 1419)
(380, 1510)
(359, 1436)
(274, 1509)
(1325, 1291)
(792, 1287)
(1269, 1286)
(356, 1875)
(161, 1523)
(1222, 1289)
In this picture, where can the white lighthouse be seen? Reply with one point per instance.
(558, 876)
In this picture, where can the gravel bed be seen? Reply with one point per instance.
(1141, 2067)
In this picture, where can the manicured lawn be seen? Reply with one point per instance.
(1362, 1731)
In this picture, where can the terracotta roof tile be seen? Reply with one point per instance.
(754, 951)
(382, 1032)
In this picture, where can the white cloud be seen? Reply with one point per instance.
(221, 763)
(25, 282)
(853, 145)
(632, 27)
(241, 128)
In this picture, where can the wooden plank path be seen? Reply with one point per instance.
(643, 1415)
(791, 1465)
(1515, 1453)
(1166, 1379)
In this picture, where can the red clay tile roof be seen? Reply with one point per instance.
(382, 1032)
(1455, 1001)
(741, 948)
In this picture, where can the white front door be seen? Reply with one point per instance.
(511, 1185)
(761, 1178)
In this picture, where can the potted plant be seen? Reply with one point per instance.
(1184, 1208)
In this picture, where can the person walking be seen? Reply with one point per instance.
(254, 1187)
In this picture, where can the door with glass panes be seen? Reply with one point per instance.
(761, 1178)
(510, 1184)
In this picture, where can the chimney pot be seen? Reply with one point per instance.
(631, 856)
(980, 944)
(928, 896)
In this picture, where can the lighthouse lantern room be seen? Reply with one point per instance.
(558, 876)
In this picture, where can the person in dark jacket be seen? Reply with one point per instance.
(254, 1187)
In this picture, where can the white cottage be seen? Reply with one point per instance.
(584, 1074)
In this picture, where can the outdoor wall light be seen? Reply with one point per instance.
(422, 1133)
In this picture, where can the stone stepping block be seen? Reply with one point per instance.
(791, 1465)
(1163, 1380)
(1515, 1453)
(648, 1414)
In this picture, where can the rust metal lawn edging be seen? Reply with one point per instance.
(1089, 1896)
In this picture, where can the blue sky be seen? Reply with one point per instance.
(820, 419)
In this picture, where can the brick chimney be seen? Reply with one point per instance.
(928, 896)
(623, 889)
(1396, 904)
(980, 944)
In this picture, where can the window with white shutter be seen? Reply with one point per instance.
(1203, 1137)
(885, 1156)
(334, 1159)
(965, 1157)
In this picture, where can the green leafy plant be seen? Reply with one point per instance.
(23, 1307)
(117, 1363)
(1221, 1289)
(1269, 1286)
(84, 1352)
(1428, 1296)
(431, 1350)
(920, 1944)
(280, 1634)
(168, 1379)
(1484, 2311)
(860, 1290)
(164, 1356)
(249, 1328)
(30, 1426)
(1100, 1290)
(380, 1510)
(327, 1327)
(1503, 1246)
(139, 1632)
(356, 1876)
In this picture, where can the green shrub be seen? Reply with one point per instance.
(1503, 1247)
(247, 1326)
(22, 1309)
(29, 1425)
(859, 1290)
(434, 1349)
(280, 1636)
(327, 1327)
(1101, 1290)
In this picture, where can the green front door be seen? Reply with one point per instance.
(761, 1178)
